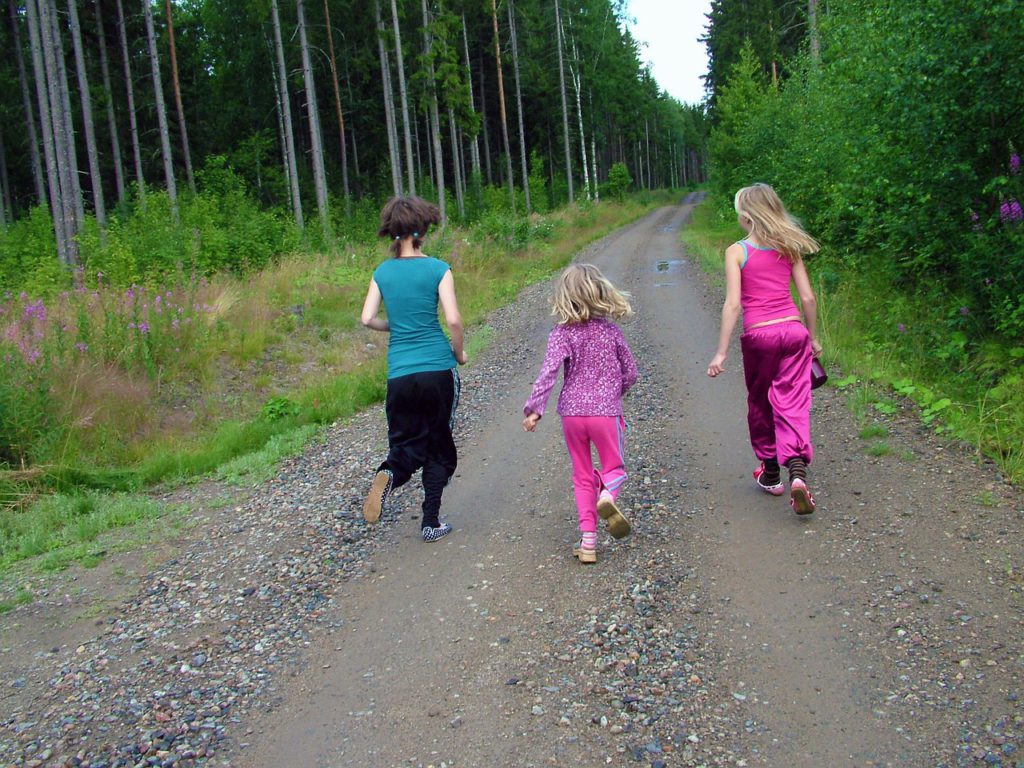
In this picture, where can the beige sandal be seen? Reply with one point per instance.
(584, 555)
(618, 525)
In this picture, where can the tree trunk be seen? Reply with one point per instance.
(435, 120)
(36, 44)
(460, 182)
(340, 114)
(132, 123)
(565, 104)
(5, 185)
(389, 104)
(315, 135)
(474, 149)
(281, 140)
(54, 131)
(161, 108)
(115, 144)
(812, 24)
(647, 144)
(519, 106)
(501, 107)
(60, 98)
(352, 129)
(30, 115)
(574, 74)
(406, 125)
(286, 112)
(182, 129)
(483, 122)
(92, 151)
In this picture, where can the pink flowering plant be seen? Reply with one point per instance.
(53, 349)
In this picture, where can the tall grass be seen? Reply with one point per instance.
(904, 343)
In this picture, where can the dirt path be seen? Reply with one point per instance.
(885, 630)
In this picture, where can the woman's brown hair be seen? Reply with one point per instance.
(407, 216)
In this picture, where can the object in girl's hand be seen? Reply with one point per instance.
(818, 374)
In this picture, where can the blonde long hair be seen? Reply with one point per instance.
(582, 293)
(772, 224)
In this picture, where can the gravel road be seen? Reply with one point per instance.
(278, 629)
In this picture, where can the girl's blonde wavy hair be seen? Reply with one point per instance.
(582, 293)
(772, 224)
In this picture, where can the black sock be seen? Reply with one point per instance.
(797, 468)
(772, 474)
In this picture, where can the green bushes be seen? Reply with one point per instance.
(901, 149)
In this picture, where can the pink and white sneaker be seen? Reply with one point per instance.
(775, 490)
(800, 498)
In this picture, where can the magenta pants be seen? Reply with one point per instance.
(608, 435)
(777, 368)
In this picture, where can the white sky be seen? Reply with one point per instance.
(670, 29)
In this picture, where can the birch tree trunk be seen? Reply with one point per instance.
(30, 115)
(36, 44)
(474, 149)
(574, 74)
(182, 129)
(286, 112)
(132, 123)
(389, 104)
(316, 137)
(60, 95)
(565, 104)
(460, 183)
(406, 125)
(501, 107)
(435, 120)
(519, 106)
(161, 108)
(340, 114)
(115, 143)
(92, 151)
(281, 140)
(352, 129)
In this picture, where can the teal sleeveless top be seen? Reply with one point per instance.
(409, 288)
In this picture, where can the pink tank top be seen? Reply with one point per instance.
(764, 285)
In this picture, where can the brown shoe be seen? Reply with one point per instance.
(377, 495)
(588, 556)
(618, 525)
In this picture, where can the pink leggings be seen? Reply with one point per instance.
(777, 368)
(608, 434)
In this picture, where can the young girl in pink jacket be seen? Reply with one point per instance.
(599, 369)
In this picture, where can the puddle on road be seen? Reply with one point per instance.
(669, 265)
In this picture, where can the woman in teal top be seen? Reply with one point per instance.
(423, 379)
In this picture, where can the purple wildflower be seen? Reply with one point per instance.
(175, 324)
(143, 327)
(82, 346)
(964, 311)
(1015, 163)
(901, 328)
(1011, 211)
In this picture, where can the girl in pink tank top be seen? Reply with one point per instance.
(777, 346)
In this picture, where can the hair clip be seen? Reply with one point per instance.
(398, 237)
(415, 234)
